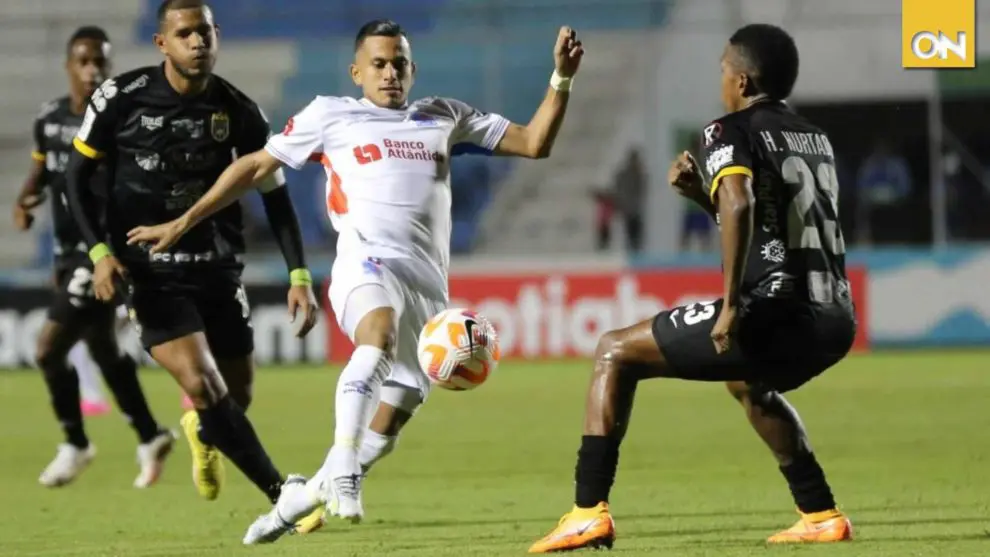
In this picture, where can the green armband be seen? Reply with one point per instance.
(98, 252)
(300, 277)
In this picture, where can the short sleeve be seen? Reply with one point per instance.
(96, 134)
(727, 151)
(475, 127)
(255, 130)
(38, 140)
(301, 137)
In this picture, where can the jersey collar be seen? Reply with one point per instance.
(369, 104)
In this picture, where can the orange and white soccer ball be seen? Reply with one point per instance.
(458, 349)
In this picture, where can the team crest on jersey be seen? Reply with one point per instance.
(220, 126)
(423, 119)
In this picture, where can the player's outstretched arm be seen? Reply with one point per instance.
(236, 180)
(535, 140)
(245, 174)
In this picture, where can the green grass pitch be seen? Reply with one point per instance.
(903, 438)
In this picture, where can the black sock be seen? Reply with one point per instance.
(808, 485)
(229, 430)
(595, 471)
(122, 379)
(63, 388)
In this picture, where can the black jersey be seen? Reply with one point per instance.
(798, 252)
(163, 151)
(54, 128)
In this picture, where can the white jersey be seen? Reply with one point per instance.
(388, 170)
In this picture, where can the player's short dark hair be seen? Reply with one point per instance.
(86, 33)
(171, 5)
(771, 58)
(378, 28)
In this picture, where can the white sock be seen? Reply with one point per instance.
(375, 447)
(90, 387)
(358, 391)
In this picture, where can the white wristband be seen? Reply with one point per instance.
(560, 83)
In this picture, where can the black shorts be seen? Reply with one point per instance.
(75, 305)
(777, 346)
(167, 307)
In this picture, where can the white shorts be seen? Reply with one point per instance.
(360, 284)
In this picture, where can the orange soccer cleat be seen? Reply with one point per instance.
(820, 527)
(578, 529)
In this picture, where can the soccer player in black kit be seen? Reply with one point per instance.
(75, 313)
(166, 133)
(786, 315)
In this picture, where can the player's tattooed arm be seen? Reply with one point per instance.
(535, 140)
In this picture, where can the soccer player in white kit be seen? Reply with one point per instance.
(388, 195)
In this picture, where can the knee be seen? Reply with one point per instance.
(243, 395)
(739, 390)
(377, 329)
(48, 357)
(202, 384)
(612, 349)
(752, 396)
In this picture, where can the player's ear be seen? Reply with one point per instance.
(355, 74)
(412, 67)
(159, 40)
(216, 30)
(747, 86)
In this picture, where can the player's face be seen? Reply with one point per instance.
(188, 39)
(88, 65)
(733, 82)
(383, 69)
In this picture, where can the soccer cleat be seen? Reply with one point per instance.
(94, 408)
(580, 528)
(820, 527)
(207, 466)
(151, 458)
(295, 501)
(311, 522)
(68, 463)
(344, 497)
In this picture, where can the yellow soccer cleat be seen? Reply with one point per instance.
(820, 527)
(311, 522)
(207, 466)
(578, 529)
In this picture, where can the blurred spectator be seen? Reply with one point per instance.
(630, 198)
(884, 187)
(604, 211)
(697, 225)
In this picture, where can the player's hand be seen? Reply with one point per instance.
(161, 236)
(107, 272)
(685, 175)
(302, 298)
(23, 219)
(567, 53)
(725, 328)
(32, 200)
